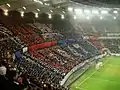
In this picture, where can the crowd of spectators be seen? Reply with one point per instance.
(96, 42)
(42, 68)
(9, 78)
(25, 33)
(39, 74)
(20, 79)
(112, 44)
(41, 77)
(46, 67)
(95, 27)
(14, 73)
(54, 57)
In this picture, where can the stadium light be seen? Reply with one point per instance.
(104, 12)
(58, 6)
(36, 15)
(88, 18)
(78, 10)
(8, 5)
(22, 13)
(47, 4)
(24, 8)
(6, 12)
(38, 1)
(62, 16)
(38, 10)
(115, 12)
(49, 16)
(51, 10)
(70, 9)
(63, 11)
(46, 0)
(87, 11)
(114, 17)
(95, 11)
(101, 17)
(75, 17)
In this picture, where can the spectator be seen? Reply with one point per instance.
(3, 81)
(23, 81)
(12, 84)
(3, 69)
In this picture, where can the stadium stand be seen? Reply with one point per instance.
(26, 34)
(39, 54)
(112, 45)
(49, 60)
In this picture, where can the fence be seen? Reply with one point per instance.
(79, 70)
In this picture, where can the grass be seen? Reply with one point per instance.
(107, 78)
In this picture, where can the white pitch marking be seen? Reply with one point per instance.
(105, 80)
(114, 65)
(91, 75)
(81, 88)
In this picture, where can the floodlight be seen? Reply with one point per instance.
(22, 13)
(49, 16)
(70, 9)
(38, 10)
(6, 12)
(88, 18)
(8, 5)
(41, 2)
(78, 10)
(114, 17)
(115, 12)
(45, 4)
(104, 12)
(63, 11)
(38, 1)
(51, 10)
(24, 8)
(62, 16)
(58, 7)
(87, 11)
(48, 4)
(36, 15)
(95, 11)
(75, 17)
(101, 17)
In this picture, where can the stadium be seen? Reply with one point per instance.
(59, 44)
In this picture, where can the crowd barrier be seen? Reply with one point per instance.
(113, 54)
(86, 66)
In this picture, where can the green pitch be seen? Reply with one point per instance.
(107, 78)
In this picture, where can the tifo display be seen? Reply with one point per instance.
(59, 45)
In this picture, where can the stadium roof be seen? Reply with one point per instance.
(57, 6)
(47, 5)
(105, 3)
(35, 5)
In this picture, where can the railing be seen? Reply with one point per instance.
(64, 81)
